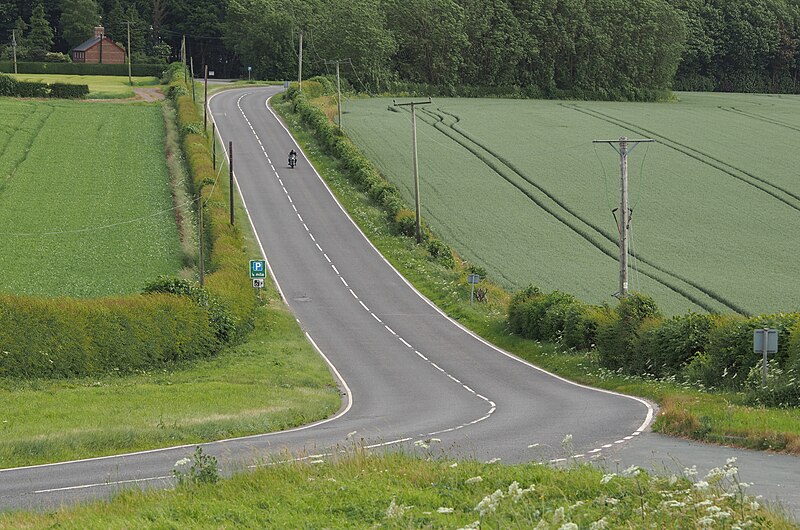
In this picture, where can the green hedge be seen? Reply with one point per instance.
(139, 70)
(713, 350)
(72, 338)
(227, 273)
(362, 172)
(11, 87)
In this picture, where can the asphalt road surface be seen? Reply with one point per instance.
(407, 372)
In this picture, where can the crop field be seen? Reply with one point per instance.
(85, 203)
(100, 86)
(518, 187)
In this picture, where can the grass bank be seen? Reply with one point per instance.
(364, 490)
(684, 411)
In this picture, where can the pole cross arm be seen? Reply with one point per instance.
(412, 103)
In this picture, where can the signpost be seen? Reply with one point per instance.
(258, 283)
(249, 69)
(765, 341)
(258, 268)
(473, 279)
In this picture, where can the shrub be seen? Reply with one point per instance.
(440, 252)
(617, 338)
(69, 68)
(32, 89)
(667, 346)
(67, 91)
(405, 221)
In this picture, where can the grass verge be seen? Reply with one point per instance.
(365, 490)
(684, 411)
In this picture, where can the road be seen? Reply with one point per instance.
(407, 372)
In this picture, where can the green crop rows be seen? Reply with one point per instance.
(518, 187)
(85, 207)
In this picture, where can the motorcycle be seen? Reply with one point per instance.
(292, 161)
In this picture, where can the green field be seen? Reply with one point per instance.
(100, 86)
(85, 200)
(518, 186)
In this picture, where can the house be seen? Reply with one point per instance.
(98, 49)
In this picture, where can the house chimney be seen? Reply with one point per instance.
(99, 31)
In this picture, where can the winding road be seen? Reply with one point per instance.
(407, 372)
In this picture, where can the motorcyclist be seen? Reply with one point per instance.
(292, 158)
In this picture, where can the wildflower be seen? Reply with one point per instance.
(471, 526)
(421, 443)
(701, 485)
(690, 471)
(395, 511)
(513, 491)
(706, 521)
(454, 464)
(474, 480)
(730, 461)
(607, 478)
(569, 526)
(632, 471)
(567, 441)
(182, 462)
(493, 461)
(754, 505)
(600, 524)
(442, 509)
(489, 503)
(558, 515)
(673, 479)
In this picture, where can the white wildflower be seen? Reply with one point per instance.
(754, 505)
(422, 443)
(493, 461)
(569, 526)
(454, 464)
(474, 480)
(489, 503)
(632, 471)
(690, 471)
(600, 524)
(558, 515)
(395, 511)
(514, 491)
(608, 477)
(701, 485)
(730, 461)
(567, 441)
(706, 521)
(612, 501)
(442, 509)
(673, 479)
(182, 462)
(472, 526)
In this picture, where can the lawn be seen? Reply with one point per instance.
(85, 199)
(518, 187)
(100, 86)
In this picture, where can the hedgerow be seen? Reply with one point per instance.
(11, 87)
(633, 338)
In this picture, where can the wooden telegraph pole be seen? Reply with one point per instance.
(230, 164)
(413, 105)
(14, 45)
(205, 100)
(130, 79)
(624, 219)
(300, 65)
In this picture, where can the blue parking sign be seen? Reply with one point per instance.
(258, 268)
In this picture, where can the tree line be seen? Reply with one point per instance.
(609, 49)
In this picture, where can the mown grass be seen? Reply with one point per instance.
(100, 86)
(684, 411)
(85, 207)
(364, 490)
(273, 381)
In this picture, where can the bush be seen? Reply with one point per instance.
(30, 67)
(405, 221)
(667, 346)
(440, 252)
(32, 89)
(617, 338)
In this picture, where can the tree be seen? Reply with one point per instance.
(39, 40)
(114, 24)
(78, 18)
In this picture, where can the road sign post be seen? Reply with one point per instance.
(765, 341)
(473, 279)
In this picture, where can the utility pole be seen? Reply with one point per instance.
(338, 89)
(413, 105)
(102, 36)
(300, 65)
(230, 163)
(130, 80)
(191, 64)
(202, 265)
(624, 220)
(183, 57)
(14, 45)
(205, 100)
(214, 145)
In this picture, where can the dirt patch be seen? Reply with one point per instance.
(148, 93)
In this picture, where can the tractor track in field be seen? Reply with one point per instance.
(33, 133)
(759, 117)
(751, 179)
(590, 235)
